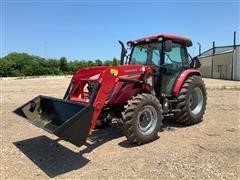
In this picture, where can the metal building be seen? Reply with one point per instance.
(221, 62)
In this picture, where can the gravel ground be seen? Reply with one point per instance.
(209, 150)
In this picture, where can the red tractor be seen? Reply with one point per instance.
(156, 79)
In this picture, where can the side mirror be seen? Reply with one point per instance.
(195, 63)
(168, 45)
(123, 52)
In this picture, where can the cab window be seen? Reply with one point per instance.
(146, 54)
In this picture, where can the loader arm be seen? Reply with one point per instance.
(102, 89)
(74, 118)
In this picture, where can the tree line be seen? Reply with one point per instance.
(22, 64)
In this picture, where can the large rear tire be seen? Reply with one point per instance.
(192, 100)
(142, 119)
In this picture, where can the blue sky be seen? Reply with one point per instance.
(91, 29)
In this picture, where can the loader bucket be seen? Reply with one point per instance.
(68, 120)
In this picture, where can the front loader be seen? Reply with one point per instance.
(156, 79)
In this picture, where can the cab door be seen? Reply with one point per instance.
(174, 62)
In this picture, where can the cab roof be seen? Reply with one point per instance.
(173, 37)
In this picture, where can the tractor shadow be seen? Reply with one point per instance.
(55, 159)
(170, 124)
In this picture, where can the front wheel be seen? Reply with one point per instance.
(192, 100)
(142, 118)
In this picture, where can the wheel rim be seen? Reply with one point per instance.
(196, 101)
(147, 120)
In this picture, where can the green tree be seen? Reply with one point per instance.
(98, 62)
(115, 62)
(23, 64)
(90, 63)
(108, 63)
(63, 65)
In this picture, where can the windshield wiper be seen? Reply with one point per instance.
(171, 59)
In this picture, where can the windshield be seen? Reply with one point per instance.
(146, 54)
(177, 55)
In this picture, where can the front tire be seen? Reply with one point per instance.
(192, 100)
(142, 119)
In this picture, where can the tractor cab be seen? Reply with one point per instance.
(167, 53)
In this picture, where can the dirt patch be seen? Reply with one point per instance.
(209, 150)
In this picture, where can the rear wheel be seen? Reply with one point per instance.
(192, 100)
(142, 118)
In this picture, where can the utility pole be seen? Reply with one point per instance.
(234, 51)
(213, 46)
(234, 39)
